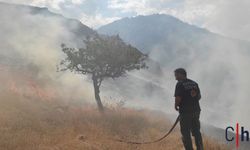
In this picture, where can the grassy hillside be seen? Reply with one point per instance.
(31, 118)
(28, 124)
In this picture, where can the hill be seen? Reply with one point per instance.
(40, 114)
(165, 38)
(30, 122)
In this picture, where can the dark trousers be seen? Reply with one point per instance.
(190, 123)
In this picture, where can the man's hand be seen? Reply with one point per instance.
(177, 102)
(176, 107)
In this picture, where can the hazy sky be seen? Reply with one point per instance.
(227, 17)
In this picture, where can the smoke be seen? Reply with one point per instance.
(31, 41)
(220, 66)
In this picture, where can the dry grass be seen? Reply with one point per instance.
(30, 120)
(32, 124)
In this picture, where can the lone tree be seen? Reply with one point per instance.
(102, 57)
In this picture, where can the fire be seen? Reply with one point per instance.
(13, 87)
(25, 85)
(31, 89)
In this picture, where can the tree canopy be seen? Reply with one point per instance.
(103, 57)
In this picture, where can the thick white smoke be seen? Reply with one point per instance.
(33, 37)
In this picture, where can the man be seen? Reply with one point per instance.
(187, 96)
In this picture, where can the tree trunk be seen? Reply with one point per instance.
(97, 94)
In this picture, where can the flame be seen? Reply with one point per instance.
(13, 88)
(31, 88)
(24, 85)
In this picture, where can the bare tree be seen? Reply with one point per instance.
(102, 57)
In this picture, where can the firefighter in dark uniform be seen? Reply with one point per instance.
(187, 96)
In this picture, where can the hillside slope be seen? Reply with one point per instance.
(36, 114)
(31, 124)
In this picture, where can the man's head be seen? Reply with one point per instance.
(180, 74)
